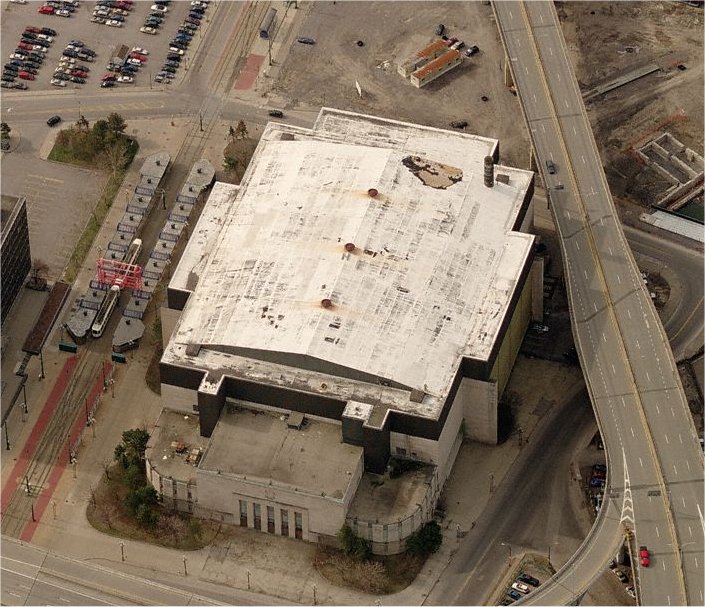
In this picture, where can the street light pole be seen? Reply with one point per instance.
(122, 551)
(7, 438)
(41, 362)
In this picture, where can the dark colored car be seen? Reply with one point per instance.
(168, 68)
(440, 30)
(54, 120)
(48, 31)
(529, 579)
(189, 26)
(7, 77)
(29, 70)
(276, 113)
(304, 40)
(173, 57)
(196, 16)
(77, 43)
(170, 63)
(78, 80)
(62, 76)
(513, 594)
(459, 124)
(178, 44)
(190, 19)
(550, 165)
(129, 69)
(10, 67)
(73, 54)
(89, 52)
(183, 36)
(471, 50)
(33, 29)
(107, 84)
(30, 35)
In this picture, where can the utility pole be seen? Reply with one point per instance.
(41, 362)
(122, 551)
(185, 572)
(7, 438)
(200, 120)
(491, 483)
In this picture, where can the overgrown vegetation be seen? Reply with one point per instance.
(126, 505)
(425, 541)
(357, 548)
(102, 146)
(238, 152)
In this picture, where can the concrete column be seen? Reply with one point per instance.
(277, 520)
(250, 514)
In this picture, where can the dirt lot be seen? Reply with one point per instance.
(665, 33)
(391, 32)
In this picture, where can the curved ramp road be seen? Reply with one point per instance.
(655, 485)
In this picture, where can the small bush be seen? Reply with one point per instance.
(426, 540)
(147, 517)
(354, 546)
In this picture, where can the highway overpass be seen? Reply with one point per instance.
(655, 482)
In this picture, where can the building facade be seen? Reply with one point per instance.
(16, 254)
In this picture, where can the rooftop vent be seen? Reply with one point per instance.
(502, 178)
(198, 170)
(159, 163)
(372, 192)
(149, 180)
(489, 172)
(349, 247)
(416, 396)
(127, 321)
(326, 303)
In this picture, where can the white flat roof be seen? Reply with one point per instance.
(429, 280)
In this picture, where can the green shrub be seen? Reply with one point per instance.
(354, 546)
(426, 540)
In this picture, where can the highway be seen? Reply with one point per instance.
(655, 482)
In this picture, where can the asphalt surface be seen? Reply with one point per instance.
(529, 512)
(656, 466)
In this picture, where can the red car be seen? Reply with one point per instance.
(34, 30)
(79, 73)
(107, 77)
(26, 75)
(24, 46)
(46, 10)
(644, 559)
(142, 58)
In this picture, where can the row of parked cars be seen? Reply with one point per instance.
(180, 42)
(126, 71)
(28, 57)
(155, 19)
(69, 68)
(60, 8)
(622, 577)
(111, 12)
(521, 586)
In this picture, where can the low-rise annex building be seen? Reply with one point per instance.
(360, 296)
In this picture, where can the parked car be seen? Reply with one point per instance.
(17, 56)
(644, 558)
(514, 595)
(61, 75)
(168, 68)
(135, 62)
(78, 74)
(19, 85)
(170, 63)
(46, 10)
(62, 13)
(173, 57)
(195, 16)
(107, 84)
(140, 50)
(631, 591)
(48, 30)
(440, 30)
(125, 79)
(190, 19)
(113, 23)
(176, 51)
(159, 7)
(119, 18)
(138, 56)
(54, 120)
(620, 575)
(26, 76)
(276, 113)
(29, 70)
(528, 579)
(106, 77)
(551, 166)
(71, 54)
(148, 30)
(168, 75)
(459, 124)
(520, 587)
(33, 29)
(78, 80)
(45, 37)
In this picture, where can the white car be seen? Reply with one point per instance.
(100, 12)
(178, 51)
(125, 79)
(113, 23)
(45, 37)
(140, 50)
(133, 61)
(159, 7)
(62, 12)
(67, 61)
(39, 47)
(148, 30)
(72, 48)
(18, 56)
(119, 11)
(19, 1)
(57, 82)
(519, 587)
(95, 19)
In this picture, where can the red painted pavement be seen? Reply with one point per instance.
(31, 445)
(249, 72)
(62, 460)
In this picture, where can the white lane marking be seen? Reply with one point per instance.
(543, 127)
(629, 314)
(574, 131)
(687, 465)
(585, 272)
(680, 438)
(663, 564)
(683, 500)
(696, 562)
(37, 581)
(510, 15)
(647, 376)
(602, 221)
(568, 214)
(657, 532)
(700, 514)
(566, 103)
(640, 462)
(594, 304)
(526, 69)
(632, 429)
(577, 245)
(583, 159)
(534, 95)
(675, 469)
(619, 280)
(604, 338)
(610, 250)
(673, 413)
(666, 435)
(559, 75)
(658, 410)
(61, 598)
(668, 596)
(690, 530)
(550, 51)
(541, 18)
(14, 593)
(637, 344)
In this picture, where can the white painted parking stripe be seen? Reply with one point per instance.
(657, 531)
(667, 442)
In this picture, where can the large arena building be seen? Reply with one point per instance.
(359, 299)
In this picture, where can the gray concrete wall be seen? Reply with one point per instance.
(479, 401)
(169, 319)
(179, 399)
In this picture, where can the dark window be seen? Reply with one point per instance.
(298, 525)
(270, 519)
(285, 522)
(258, 516)
(243, 513)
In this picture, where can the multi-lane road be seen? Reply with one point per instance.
(655, 485)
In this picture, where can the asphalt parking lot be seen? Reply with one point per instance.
(99, 37)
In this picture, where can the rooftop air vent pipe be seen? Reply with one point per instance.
(489, 172)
